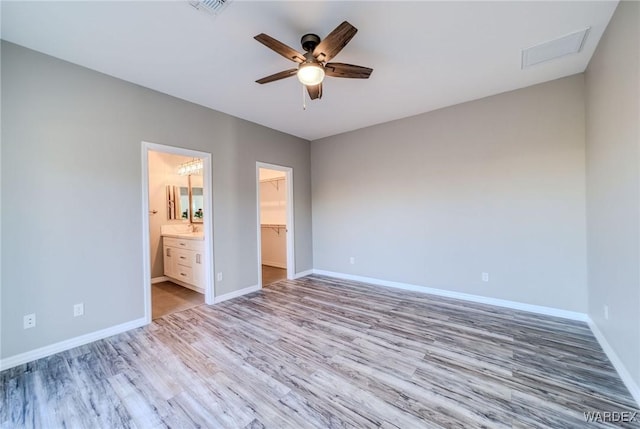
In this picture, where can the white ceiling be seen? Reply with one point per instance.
(425, 55)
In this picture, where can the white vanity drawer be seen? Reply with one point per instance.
(184, 274)
(186, 258)
(182, 243)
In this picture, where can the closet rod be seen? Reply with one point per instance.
(275, 227)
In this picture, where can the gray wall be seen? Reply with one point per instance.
(72, 194)
(613, 184)
(495, 185)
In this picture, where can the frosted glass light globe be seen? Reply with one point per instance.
(310, 74)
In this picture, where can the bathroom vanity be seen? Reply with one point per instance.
(183, 257)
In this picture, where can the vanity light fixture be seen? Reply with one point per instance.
(192, 167)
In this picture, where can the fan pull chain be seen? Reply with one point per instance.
(304, 99)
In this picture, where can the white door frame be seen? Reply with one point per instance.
(291, 268)
(207, 221)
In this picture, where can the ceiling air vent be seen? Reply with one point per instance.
(214, 7)
(565, 45)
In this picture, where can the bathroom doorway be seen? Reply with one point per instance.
(177, 229)
(275, 223)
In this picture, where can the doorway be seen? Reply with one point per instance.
(275, 223)
(177, 229)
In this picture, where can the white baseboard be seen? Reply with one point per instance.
(235, 294)
(628, 381)
(549, 311)
(302, 274)
(160, 279)
(275, 264)
(32, 355)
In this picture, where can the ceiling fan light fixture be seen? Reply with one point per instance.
(310, 73)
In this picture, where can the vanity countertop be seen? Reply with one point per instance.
(185, 235)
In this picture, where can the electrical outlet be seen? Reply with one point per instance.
(606, 312)
(78, 310)
(352, 260)
(219, 276)
(29, 321)
(485, 277)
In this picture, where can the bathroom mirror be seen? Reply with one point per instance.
(173, 201)
(186, 202)
(197, 204)
(177, 202)
(197, 199)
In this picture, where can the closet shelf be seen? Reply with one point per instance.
(274, 181)
(274, 226)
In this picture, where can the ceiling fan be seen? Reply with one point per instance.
(314, 65)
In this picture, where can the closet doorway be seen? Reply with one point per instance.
(275, 223)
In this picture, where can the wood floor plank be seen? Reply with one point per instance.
(319, 352)
(168, 297)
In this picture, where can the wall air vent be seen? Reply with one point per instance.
(565, 45)
(214, 7)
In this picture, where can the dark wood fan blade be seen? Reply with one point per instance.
(279, 47)
(347, 70)
(315, 91)
(278, 76)
(334, 42)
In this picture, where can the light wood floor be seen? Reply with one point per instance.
(167, 298)
(318, 352)
(272, 275)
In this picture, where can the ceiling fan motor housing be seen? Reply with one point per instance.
(309, 42)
